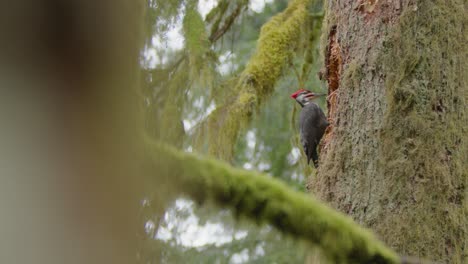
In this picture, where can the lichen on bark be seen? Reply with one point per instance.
(397, 160)
(425, 145)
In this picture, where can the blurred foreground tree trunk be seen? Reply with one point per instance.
(69, 74)
(395, 157)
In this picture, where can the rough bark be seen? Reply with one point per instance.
(395, 157)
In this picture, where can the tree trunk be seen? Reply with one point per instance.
(396, 155)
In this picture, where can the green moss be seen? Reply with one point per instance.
(424, 133)
(419, 206)
(279, 38)
(267, 200)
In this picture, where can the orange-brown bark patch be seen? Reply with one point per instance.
(333, 64)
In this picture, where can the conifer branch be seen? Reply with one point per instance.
(215, 35)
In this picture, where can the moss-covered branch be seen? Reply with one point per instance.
(278, 40)
(266, 199)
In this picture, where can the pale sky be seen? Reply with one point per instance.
(174, 39)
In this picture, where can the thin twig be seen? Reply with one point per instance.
(226, 26)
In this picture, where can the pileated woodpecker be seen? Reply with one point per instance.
(312, 123)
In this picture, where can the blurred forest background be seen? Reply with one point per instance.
(211, 80)
(185, 89)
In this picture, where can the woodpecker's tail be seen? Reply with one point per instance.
(314, 157)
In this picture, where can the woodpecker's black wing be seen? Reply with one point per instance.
(312, 122)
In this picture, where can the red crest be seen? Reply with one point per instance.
(295, 94)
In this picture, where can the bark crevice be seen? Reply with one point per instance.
(333, 68)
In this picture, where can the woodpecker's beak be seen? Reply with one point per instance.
(314, 95)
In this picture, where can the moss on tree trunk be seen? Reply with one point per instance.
(395, 158)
